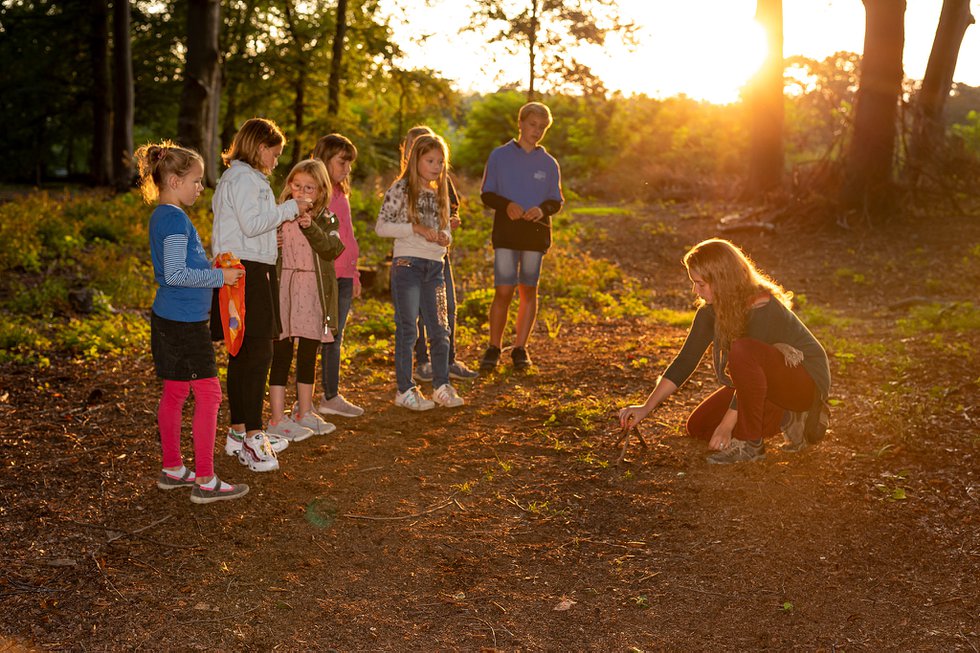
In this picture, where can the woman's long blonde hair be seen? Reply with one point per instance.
(735, 282)
(315, 169)
(424, 144)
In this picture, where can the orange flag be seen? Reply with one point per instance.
(231, 300)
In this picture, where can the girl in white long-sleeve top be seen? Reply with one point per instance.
(415, 212)
(245, 221)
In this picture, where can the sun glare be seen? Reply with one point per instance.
(707, 57)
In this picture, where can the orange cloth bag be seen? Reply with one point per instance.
(231, 301)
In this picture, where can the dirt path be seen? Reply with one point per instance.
(506, 524)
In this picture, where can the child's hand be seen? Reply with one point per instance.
(515, 211)
(305, 219)
(631, 416)
(442, 238)
(791, 355)
(720, 438)
(426, 232)
(533, 214)
(232, 275)
(357, 287)
(454, 222)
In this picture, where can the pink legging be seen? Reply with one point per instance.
(765, 387)
(207, 400)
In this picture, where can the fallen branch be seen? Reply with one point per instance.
(133, 534)
(447, 503)
(624, 437)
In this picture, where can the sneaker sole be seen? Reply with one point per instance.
(711, 461)
(462, 377)
(288, 438)
(330, 411)
(419, 409)
(164, 486)
(224, 496)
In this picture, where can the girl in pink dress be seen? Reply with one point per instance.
(307, 300)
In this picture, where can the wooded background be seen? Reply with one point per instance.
(84, 82)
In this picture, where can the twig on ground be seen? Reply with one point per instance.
(135, 534)
(624, 437)
(138, 530)
(106, 577)
(445, 504)
(492, 631)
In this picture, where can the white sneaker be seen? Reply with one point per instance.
(312, 421)
(412, 399)
(339, 406)
(233, 442)
(445, 395)
(257, 453)
(289, 430)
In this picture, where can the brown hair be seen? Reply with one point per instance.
(315, 169)
(405, 148)
(535, 109)
(158, 161)
(735, 282)
(424, 144)
(245, 146)
(330, 146)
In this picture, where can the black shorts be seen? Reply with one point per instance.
(182, 351)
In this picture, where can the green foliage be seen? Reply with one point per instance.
(957, 316)
(969, 132)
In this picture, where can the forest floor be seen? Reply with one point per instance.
(507, 524)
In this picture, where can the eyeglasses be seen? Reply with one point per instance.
(309, 190)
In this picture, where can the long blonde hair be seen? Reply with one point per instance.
(735, 282)
(157, 161)
(315, 169)
(424, 144)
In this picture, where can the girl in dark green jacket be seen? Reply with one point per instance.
(307, 300)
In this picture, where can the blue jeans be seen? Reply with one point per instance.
(330, 351)
(421, 351)
(417, 285)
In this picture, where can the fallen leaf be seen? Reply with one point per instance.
(564, 604)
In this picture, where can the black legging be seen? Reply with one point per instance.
(247, 373)
(282, 360)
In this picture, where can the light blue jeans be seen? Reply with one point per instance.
(418, 286)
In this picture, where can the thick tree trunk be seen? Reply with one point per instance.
(532, 42)
(868, 167)
(764, 100)
(336, 60)
(123, 99)
(927, 126)
(100, 164)
(299, 108)
(195, 124)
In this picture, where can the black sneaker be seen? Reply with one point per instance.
(521, 360)
(490, 358)
(817, 421)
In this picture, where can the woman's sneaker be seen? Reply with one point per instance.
(445, 395)
(460, 372)
(257, 453)
(520, 358)
(220, 492)
(339, 406)
(412, 399)
(739, 451)
(287, 428)
(312, 421)
(490, 358)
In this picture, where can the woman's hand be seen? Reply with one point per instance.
(720, 438)
(232, 275)
(791, 355)
(631, 416)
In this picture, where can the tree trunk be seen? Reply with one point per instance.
(868, 166)
(123, 98)
(764, 102)
(232, 81)
(927, 126)
(336, 60)
(299, 107)
(100, 164)
(195, 124)
(532, 41)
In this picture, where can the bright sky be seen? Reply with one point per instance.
(704, 48)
